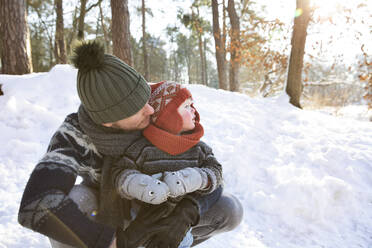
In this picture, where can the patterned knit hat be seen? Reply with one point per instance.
(109, 89)
(165, 98)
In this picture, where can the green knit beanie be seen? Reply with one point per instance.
(109, 89)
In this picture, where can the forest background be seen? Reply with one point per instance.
(247, 46)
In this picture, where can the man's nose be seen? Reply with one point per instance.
(149, 109)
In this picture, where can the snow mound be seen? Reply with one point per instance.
(303, 177)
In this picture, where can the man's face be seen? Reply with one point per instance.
(138, 121)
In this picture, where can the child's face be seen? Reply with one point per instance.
(187, 113)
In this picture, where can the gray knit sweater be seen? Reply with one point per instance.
(142, 156)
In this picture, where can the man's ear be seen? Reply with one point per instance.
(107, 124)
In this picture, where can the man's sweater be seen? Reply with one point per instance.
(45, 206)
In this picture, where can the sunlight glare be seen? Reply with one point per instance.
(298, 12)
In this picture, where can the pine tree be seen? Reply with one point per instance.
(294, 81)
(15, 39)
(120, 31)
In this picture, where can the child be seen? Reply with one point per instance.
(173, 138)
(169, 161)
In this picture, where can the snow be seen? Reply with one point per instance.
(359, 112)
(303, 177)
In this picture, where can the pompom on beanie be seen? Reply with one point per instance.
(109, 89)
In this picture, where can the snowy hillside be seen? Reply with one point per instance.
(304, 178)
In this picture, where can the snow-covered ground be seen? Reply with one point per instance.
(304, 177)
(356, 112)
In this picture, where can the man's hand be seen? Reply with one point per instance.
(144, 188)
(175, 226)
(185, 181)
(143, 227)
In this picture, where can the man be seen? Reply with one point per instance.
(115, 97)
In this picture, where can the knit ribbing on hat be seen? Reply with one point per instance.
(111, 92)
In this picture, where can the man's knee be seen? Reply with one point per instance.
(86, 199)
(224, 216)
(232, 210)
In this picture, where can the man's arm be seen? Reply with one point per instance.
(45, 206)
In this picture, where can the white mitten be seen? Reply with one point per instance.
(185, 181)
(144, 188)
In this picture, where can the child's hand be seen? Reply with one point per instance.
(145, 188)
(185, 181)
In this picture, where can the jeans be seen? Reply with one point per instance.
(225, 215)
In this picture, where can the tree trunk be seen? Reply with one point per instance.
(200, 43)
(220, 56)
(83, 9)
(15, 39)
(188, 60)
(200, 46)
(72, 34)
(224, 31)
(120, 31)
(144, 42)
(224, 38)
(60, 47)
(205, 62)
(175, 68)
(234, 46)
(189, 72)
(368, 95)
(105, 34)
(294, 80)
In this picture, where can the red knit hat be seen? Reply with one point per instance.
(166, 97)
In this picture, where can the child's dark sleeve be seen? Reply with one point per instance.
(210, 165)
